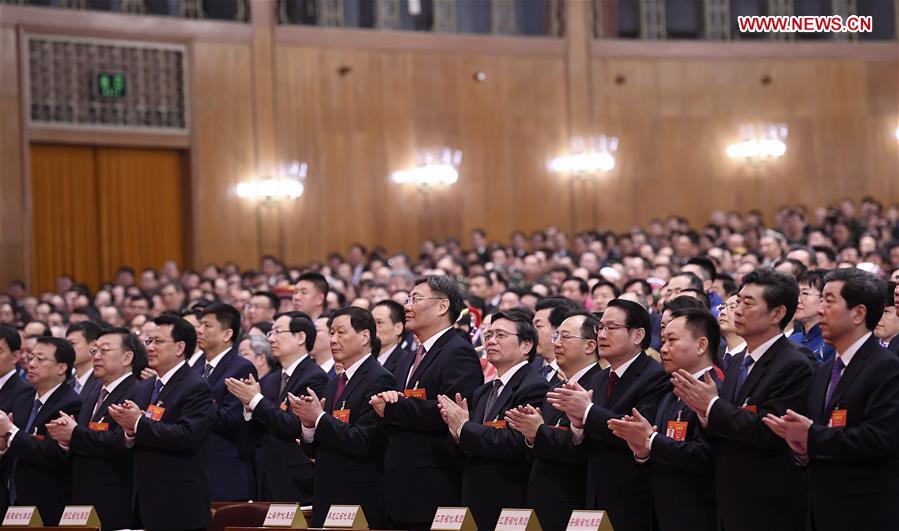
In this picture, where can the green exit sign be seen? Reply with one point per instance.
(111, 84)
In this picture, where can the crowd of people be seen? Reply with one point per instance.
(739, 376)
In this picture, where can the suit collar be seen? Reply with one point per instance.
(119, 390)
(769, 351)
(48, 400)
(8, 381)
(633, 371)
(432, 352)
(355, 381)
(852, 370)
(220, 365)
(508, 389)
(173, 379)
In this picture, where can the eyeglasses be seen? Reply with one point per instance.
(499, 335)
(415, 300)
(611, 327)
(726, 307)
(104, 351)
(566, 337)
(809, 294)
(150, 341)
(31, 357)
(273, 332)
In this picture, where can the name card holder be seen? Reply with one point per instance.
(345, 517)
(285, 515)
(23, 516)
(453, 519)
(517, 520)
(589, 521)
(79, 516)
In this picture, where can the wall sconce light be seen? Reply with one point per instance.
(288, 185)
(436, 167)
(897, 133)
(759, 142)
(589, 156)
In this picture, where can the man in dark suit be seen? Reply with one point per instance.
(557, 481)
(390, 318)
(771, 377)
(423, 470)
(231, 447)
(887, 329)
(286, 472)
(168, 424)
(733, 343)
(341, 431)
(677, 453)
(850, 440)
(40, 474)
(83, 337)
(11, 386)
(546, 320)
(633, 380)
(101, 464)
(321, 350)
(496, 464)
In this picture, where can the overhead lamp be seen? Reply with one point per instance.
(588, 156)
(287, 185)
(759, 142)
(437, 167)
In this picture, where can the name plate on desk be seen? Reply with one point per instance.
(453, 519)
(23, 516)
(517, 520)
(346, 517)
(79, 516)
(589, 521)
(285, 515)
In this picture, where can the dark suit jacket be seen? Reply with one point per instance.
(627, 497)
(231, 447)
(747, 454)
(42, 472)
(854, 470)
(349, 458)
(170, 481)
(398, 359)
(681, 477)
(894, 345)
(9, 393)
(496, 468)
(558, 475)
(101, 464)
(286, 471)
(420, 452)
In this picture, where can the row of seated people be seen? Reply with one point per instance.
(763, 437)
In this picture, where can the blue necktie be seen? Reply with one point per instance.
(727, 359)
(37, 407)
(835, 374)
(545, 370)
(744, 373)
(12, 473)
(207, 370)
(156, 389)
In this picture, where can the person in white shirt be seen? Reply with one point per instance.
(735, 344)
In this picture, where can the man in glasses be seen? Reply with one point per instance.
(632, 381)
(286, 472)
(496, 465)
(734, 344)
(422, 472)
(168, 425)
(39, 474)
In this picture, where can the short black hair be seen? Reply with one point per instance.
(524, 325)
(888, 300)
(318, 280)
(89, 329)
(397, 313)
(272, 298)
(46, 332)
(813, 278)
(555, 301)
(132, 343)
(306, 326)
(615, 291)
(780, 289)
(11, 336)
(861, 288)
(830, 253)
(560, 313)
(227, 316)
(695, 281)
(636, 316)
(701, 323)
(705, 264)
(181, 331)
(449, 288)
(681, 303)
(582, 285)
(485, 276)
(360, 319)
(645, 286)
(64, 352)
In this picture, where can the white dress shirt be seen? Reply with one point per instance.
(309, 433)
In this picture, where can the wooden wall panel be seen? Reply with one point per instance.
(13, 216)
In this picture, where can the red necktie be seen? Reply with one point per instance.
(341, 385)
(610, 387)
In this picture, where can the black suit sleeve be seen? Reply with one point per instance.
(359, 437)
(44, 452)
(694, 455)
(493, 443)
(284, 424)
(556, 445)
(462, 374)
(877, 437)
(229, 414)
(197, 412)
(650, 392)
(106, 444)
(788, 392)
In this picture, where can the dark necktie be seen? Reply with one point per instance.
(419, 354)
(34, 410)
(207, 370)
(610, 386)
(728, 357)
(835, 374)
(491, 398)
(103, 394)
(156, 390)
(341, 385)
(545, 370)
(743, 373)
(284, 378)
(77, 385)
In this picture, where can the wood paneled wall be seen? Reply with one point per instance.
(13, 217)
